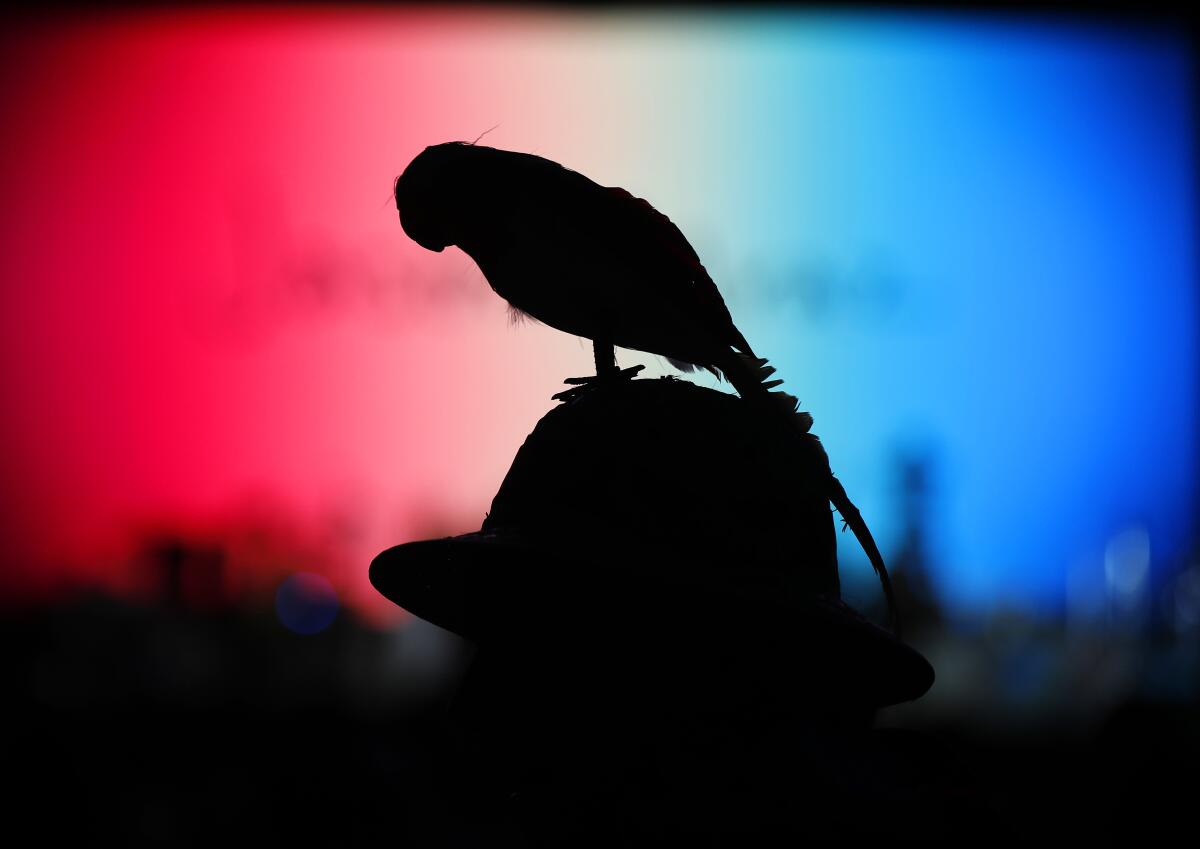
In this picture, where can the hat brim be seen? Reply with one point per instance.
(489, 586)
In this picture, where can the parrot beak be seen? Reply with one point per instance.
(423, 239)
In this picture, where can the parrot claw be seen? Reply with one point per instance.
(583, 385)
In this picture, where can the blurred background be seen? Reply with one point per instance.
(229, 380)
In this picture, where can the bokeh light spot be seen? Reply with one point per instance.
(306, 603)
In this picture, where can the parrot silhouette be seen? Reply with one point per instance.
(597, 262)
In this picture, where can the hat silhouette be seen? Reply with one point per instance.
(659, 518)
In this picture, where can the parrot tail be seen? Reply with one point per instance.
(749, 375)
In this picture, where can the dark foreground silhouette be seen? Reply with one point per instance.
(662, 648)
(655, 591)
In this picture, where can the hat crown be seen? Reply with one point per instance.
(695, 483)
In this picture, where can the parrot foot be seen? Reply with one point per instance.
(583, 385)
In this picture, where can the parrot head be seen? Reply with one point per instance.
(425, 193)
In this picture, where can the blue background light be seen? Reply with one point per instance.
(979, 239)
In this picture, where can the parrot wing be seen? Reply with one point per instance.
(653, 239)
(567, 209)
